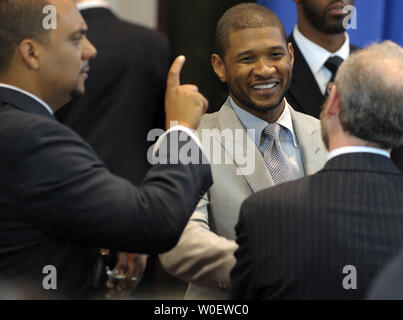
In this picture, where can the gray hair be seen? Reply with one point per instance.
(371, 86)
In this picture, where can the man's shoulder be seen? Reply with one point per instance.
(210, 121)
(279, 196)
(15, 119)
(305, 119)
(29, 126)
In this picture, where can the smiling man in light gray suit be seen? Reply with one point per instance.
(255, 60)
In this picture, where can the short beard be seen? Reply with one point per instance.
(264, 110)
(319, 20)
(74, 94)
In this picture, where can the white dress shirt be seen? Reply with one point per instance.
(357, 149)
(316, 57)
(288, 139)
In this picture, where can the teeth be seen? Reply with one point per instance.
(264, 87)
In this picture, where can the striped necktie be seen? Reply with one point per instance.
(277, 162)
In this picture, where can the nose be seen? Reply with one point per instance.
(264, 68)
(89, 51)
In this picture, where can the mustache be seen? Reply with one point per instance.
(342, 2)
(85, 67)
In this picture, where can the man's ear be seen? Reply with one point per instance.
(30, 52)
(291, 52)
(219, 67)
(334, 103)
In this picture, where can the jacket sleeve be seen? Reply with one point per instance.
(64, 189)
(201, 256)
(243, 275)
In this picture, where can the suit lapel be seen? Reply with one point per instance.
(304, 93)
(259, 178)
(313, 151)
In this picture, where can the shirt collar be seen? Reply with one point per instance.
(43, 103)
(256, 124)
(315, 55)
(355, 149)
(93, 4)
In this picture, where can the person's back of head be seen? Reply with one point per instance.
(370, 83)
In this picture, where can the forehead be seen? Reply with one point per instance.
(69, 18)
(255, 39)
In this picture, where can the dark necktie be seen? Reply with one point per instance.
(333, 64)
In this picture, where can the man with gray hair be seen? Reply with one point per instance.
(346, 221)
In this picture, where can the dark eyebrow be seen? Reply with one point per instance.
(243, 53)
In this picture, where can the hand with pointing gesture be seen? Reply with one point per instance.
(183, 103)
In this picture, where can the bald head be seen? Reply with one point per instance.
(371, 86)
(244, 16)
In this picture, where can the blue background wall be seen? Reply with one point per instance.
(376, 19)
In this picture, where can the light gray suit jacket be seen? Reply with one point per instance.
(204, 254)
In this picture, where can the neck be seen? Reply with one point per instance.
(270, 116)
(346, 140)
(330, 42)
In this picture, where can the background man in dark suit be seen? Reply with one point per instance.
(326, 236)
(318, 37)
(320, 45)
(58, 203)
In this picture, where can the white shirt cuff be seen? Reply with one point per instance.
(190, 132)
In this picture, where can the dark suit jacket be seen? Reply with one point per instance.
(58, 202)
(125, 90)
(304, 94)
(388, 285)
(296, 238)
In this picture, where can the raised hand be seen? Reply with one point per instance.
(184, 105)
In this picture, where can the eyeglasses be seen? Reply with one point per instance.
(329, 88)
